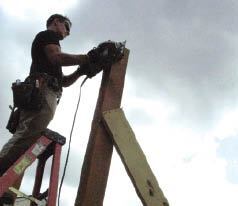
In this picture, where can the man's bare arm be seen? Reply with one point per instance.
(56, 57)
(71, 78)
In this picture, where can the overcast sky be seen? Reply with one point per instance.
(180, 93)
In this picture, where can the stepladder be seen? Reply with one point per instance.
(49, 144)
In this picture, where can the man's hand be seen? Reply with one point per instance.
(89, 69)
(94, 55)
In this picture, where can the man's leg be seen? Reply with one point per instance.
(29, 129)
(31, 125)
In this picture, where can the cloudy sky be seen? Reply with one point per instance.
(180, 93)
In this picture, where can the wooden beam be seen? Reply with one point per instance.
(133, 158)
(98, 155)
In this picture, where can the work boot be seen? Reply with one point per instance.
(6, 200)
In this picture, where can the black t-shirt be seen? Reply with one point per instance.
(40, 62)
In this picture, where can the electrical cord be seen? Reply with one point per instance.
(70, 139)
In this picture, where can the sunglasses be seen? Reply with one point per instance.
(67, 26)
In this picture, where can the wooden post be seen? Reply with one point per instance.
(98, 155)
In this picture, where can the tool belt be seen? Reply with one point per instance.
(45, 80)
(28, 96)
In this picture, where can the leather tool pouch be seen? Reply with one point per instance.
(27, 96)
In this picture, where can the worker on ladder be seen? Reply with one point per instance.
(46, 80)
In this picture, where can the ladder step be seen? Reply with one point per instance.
(32, 199)
(56, 137)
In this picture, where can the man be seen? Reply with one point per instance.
(46, 71)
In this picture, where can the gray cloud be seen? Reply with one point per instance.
(183, 52)
(180, 50)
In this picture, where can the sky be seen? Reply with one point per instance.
(180, 94)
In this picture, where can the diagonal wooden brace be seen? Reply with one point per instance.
(133, 158)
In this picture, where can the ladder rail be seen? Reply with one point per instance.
(23, 162)
(54, 177)
(49, 144)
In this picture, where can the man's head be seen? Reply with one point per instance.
(60, 24)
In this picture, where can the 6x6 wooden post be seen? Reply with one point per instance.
(98, 155)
